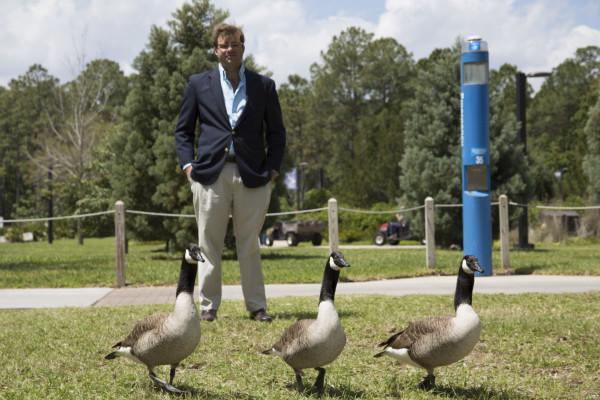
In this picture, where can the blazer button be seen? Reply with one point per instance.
(233, 131)
(226, 149)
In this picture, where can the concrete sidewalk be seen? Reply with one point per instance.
(85, 297)
(51, 298)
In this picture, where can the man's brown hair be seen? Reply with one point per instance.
(226, 29)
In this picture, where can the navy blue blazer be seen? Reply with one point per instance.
(258, 137)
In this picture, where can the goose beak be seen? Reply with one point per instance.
(338, 259)
(478, 268)
(343, 263)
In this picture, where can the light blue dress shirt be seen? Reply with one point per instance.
(235, 100)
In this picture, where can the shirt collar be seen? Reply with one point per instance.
(223, 74)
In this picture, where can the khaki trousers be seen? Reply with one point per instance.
(248, 207)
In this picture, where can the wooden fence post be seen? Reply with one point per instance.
(120, 240)
(333, 225)
(429, 233)
(504, 232)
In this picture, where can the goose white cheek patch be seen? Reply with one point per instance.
(466, 268)
(188, 257)
(333, 265)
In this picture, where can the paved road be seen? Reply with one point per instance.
(86, 297)
(283, 243)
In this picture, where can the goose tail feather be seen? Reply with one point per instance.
(267, 351)
(391, 339)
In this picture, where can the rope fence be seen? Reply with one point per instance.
(74, 216)
(381, 212)
(332, 209)
(293, 212)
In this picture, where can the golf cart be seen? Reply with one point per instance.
(393, 231)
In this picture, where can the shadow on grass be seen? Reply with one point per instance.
(294, 256)
(528, 270)
(294, 316)
(476, 393)
(201, 393)
(310, 260)
(230, 255)
(74, 265)
(399, 388)
(532, 250)
(167, 257)
(342, 391)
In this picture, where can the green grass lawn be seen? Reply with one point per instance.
(66, 264)
(532, 347)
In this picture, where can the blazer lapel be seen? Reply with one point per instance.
(217, 91)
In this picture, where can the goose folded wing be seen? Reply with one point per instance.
(149, 323)
(416, 330)
(293, 337)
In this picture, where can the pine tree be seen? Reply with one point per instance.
(358, 113)
(431, 162)
(556, 119)
(591, 161)
(146, 174)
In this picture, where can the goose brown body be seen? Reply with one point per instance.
(438, 341)
(167, 338)
(315, 343)
(312, 343)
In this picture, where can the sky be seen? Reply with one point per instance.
(287, 36)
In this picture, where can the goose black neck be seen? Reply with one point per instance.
(330, 280)
(187, 277)
(464, 288)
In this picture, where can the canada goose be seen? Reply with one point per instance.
(438, 341)
(314, 343)
(166, 339)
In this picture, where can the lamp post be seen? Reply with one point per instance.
(559, 175)
(521, 83)
(50, 207)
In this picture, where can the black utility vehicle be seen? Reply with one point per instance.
(294, 232)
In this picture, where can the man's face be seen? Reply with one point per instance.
(230, 51)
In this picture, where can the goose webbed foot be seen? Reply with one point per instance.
(428, 382)
(319, 382)
(167, 387)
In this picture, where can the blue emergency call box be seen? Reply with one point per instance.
(475, 145)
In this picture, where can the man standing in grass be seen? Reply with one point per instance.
(240, 150)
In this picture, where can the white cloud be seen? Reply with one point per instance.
(578, 36)
(281, 36)
(49, 32)
(536, 35)
(287, 37)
